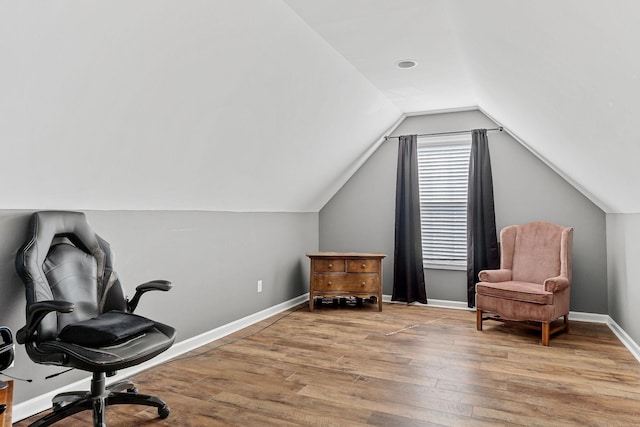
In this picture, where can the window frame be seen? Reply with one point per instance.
(462, 142)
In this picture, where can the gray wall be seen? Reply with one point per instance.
(214, 260)
(623, 250)
(360, 217)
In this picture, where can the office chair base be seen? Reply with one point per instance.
(67, 404)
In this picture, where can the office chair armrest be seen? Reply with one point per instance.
(35, 313)
(154, 285)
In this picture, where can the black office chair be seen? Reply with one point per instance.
(78, 315)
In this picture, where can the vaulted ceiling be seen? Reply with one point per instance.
(270, 105)
(563, 76)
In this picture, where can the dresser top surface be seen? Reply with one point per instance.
(346, 255)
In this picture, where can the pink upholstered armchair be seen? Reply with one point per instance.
(534, 280)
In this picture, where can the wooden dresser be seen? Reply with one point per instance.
(6, 398)
(335, 274)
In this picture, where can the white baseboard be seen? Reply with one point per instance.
(442, 303)
(579, 316)
(628, 342)
(41, 403)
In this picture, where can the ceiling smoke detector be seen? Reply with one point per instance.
(406, 63)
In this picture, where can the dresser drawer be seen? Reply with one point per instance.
(363, 266)
(356, 283)
(329, 265)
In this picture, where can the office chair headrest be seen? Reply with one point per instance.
(46, 226)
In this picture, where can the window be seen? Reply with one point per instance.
(443, 165)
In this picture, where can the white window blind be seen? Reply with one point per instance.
(443, 165)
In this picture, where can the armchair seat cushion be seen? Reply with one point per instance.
(516, 291)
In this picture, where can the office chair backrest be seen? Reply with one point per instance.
(65, 260)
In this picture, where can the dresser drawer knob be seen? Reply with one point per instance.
(363, 283)
(330, 265)
(329, 283)
(364, 265)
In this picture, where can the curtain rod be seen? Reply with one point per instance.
(455, 132)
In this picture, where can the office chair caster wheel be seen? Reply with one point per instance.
(164, 412)
(133, 390)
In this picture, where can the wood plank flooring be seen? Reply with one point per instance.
(6, 398)
(404, 366)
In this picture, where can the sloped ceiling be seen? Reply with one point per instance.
(199, 105)
(270, 105)
(563, 76)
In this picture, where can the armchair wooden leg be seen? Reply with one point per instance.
(566, 323)
(545, 333)
(478, 319)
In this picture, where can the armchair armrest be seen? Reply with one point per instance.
(153, 285)
(556, 284)
(35, 313)
(493, 276)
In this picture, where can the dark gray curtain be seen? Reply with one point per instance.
(408, 272)
(482, 241)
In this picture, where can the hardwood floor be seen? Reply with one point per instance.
(404, 366)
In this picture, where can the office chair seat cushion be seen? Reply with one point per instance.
(109, 328)
(108, 358)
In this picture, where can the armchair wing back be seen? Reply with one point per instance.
(537, 251)
(534, 280)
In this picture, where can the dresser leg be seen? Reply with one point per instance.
(311, 302)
